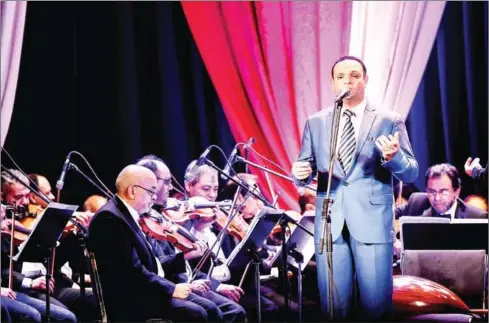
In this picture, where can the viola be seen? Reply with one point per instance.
(28, 218)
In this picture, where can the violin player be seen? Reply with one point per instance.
(16, 194)
(205, 183)
(223, 295)
(134, 283)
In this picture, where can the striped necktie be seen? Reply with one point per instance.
(347, 143)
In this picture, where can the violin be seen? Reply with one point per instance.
(195, 208)
(20, 232)
(238, 226)
(276, 234)
(158, 227)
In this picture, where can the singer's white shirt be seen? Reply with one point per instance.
(356, 119)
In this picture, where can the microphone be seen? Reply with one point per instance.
(343, 94)
(250, 142)
(190, 176)
(61, 181)
(230, 163)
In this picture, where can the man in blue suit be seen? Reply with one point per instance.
(372, 146)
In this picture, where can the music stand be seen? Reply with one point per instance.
(301, 250)
(248, 249)
(432, 233)
(39, 245)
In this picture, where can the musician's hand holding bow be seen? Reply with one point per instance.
(230, 291)
(200, 248)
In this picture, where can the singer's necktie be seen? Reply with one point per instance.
(347, 143)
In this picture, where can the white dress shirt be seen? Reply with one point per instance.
(356, 119)
(220, 273)
(135, 215)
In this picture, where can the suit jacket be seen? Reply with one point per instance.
(127, 265)
(480, 173)
(174, 264)
(61, 280)
(364, 196)
(418, 204)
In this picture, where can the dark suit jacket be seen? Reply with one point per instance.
(61, 279)
(418, 204)
(132, 289)
(480, 173)
(174, 264)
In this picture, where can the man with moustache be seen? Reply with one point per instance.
(372, 147)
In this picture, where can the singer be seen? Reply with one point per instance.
(372, 146)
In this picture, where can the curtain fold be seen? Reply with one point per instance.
(394, 38)
(12, 25)
(270, 64)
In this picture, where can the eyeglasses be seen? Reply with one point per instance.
(443, 193)
(166, 181)
(151, 192)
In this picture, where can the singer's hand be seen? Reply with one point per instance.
(301, 170)
(388, 146)
(40, 284)
(7, 292)
(200, 248)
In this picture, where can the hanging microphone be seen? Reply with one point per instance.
(61, 181)
(343, 94)
(190, 176)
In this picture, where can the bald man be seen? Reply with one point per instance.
(93, 203)
(132, 279)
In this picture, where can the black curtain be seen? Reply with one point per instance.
(113, 81)
(448, 119)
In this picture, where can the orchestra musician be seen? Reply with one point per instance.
(223, 295)
(205, 183)
(132, 278)
(29, 287)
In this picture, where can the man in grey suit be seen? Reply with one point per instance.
(372, 146)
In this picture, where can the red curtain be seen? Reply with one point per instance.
(270, 64)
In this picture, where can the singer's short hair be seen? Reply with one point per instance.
(200, 170)
(348, 57)
(8, 180)
(439, 170)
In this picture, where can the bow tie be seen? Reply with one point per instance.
(446, 216)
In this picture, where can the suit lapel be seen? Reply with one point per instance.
(329, 125)
(365, 127)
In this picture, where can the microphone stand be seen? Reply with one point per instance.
(326, 235)
(284, 220)
(108, 194)
(290, 179)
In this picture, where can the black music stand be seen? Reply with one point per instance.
(431, 233)
(39, 246)
(248, 250)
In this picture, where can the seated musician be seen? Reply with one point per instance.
(29, 285)
(177, 262)
(93, 203)
(132, 278)
(441, 199)
(205, 184)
